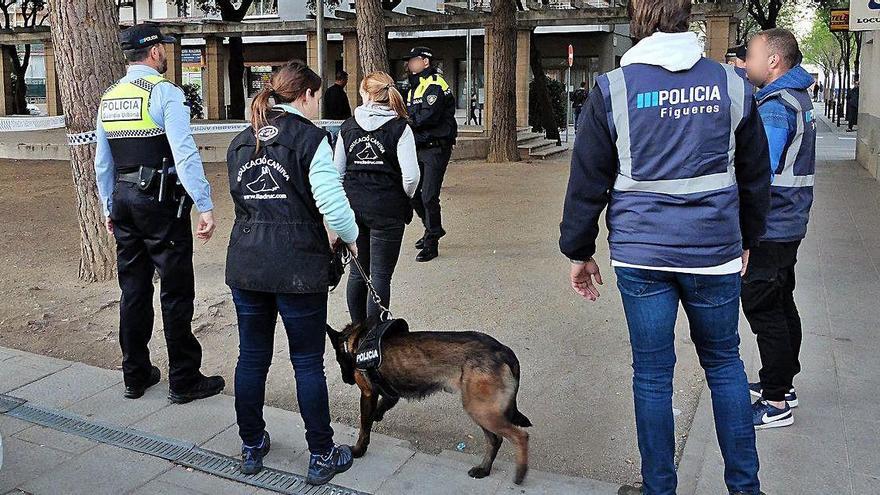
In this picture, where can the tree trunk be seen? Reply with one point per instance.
(544, 103)
(370, 25)
(236, 78)
(89, 61)
(502, 136)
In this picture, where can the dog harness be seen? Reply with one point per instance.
(368, 356)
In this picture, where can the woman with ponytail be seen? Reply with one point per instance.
(376, 155)
(285, 189)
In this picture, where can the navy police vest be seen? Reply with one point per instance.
(675, 201)
(791, 192)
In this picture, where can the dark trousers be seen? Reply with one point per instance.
(378, 251)
(305, 319)
(150, 237)
(426, 203)
(768, 303)
(577, 116)
(711, 303)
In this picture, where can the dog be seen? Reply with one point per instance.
(418, 364)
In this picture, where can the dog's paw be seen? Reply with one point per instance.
(357, 451)
(478, 472)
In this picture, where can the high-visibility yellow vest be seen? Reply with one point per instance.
(415, 97)
(135, 138)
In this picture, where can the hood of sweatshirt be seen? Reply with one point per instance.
(796, 78)
(371, 116)
(673, 51)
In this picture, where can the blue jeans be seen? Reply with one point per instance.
(711, 302)
(305, 318)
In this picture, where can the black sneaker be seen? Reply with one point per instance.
(322, 468)
(790, 397)
(252, 457)
(205, 387)
(427, 254)
(137, 391)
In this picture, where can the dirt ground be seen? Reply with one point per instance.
(499, 272)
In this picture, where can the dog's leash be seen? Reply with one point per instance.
(349, 258)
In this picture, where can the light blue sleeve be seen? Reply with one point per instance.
(775, 117)
(105, 170)
(330, 196)
(169, 111)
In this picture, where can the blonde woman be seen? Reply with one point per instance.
(376, 155)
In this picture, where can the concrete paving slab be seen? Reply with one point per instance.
(859, 399)
(198, 421)
(863, 439)
(865, 484)
(102, 470)
(47, 437)
(68, 385)
(8, 353)
(180, 480)
(377, 466)
(37, 360)
(110, 405)
(10, 426)
(14, 374)
(23, 462)
(428, 475)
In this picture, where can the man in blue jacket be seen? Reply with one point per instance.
(768, 289)
(672, 143)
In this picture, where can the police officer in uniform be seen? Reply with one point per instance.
(149, 175)
(431, 107)
(672, 143)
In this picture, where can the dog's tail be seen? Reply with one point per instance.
(516, 417)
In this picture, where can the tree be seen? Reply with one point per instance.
(89, 61)
(32, 13)
(820, 48)
(370, 25)
(230, 11)
(764, 12)
(502, 135)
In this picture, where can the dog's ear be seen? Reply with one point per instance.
(335, 336)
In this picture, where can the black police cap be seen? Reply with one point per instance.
(142, 36)
(738, 52)
(420, 51)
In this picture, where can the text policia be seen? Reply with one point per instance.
(676, 103)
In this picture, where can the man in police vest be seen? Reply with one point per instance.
(773, 64)
(431, 107)
(149, 174)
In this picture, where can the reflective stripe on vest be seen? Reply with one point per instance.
(124, 110)
(706, 183)
(424, 84)
(787, 178)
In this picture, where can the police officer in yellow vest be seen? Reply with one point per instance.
(149, 174)
(431, 107)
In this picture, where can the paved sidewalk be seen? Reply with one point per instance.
(832, 448)
(39, 460)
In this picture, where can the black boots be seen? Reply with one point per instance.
(137, 391)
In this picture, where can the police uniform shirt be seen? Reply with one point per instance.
(168, 110)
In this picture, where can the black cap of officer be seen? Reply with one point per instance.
(142, 36)
(420, 51)
(737, 52)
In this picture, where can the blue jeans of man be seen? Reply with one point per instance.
(305, 319)
(711, 302)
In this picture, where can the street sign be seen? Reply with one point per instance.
(570, 55)
(839, 20)
(864, 15)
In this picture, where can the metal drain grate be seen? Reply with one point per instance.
(183, 453)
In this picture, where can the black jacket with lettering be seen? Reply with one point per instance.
(372, 173)
(431, 107)
(278, 242)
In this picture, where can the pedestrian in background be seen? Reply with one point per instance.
(680, 228)
(852, 106)
(768, 289)
(578, 97)
(376, 155)
(149, 174)
(284, 187)
(336, 106)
